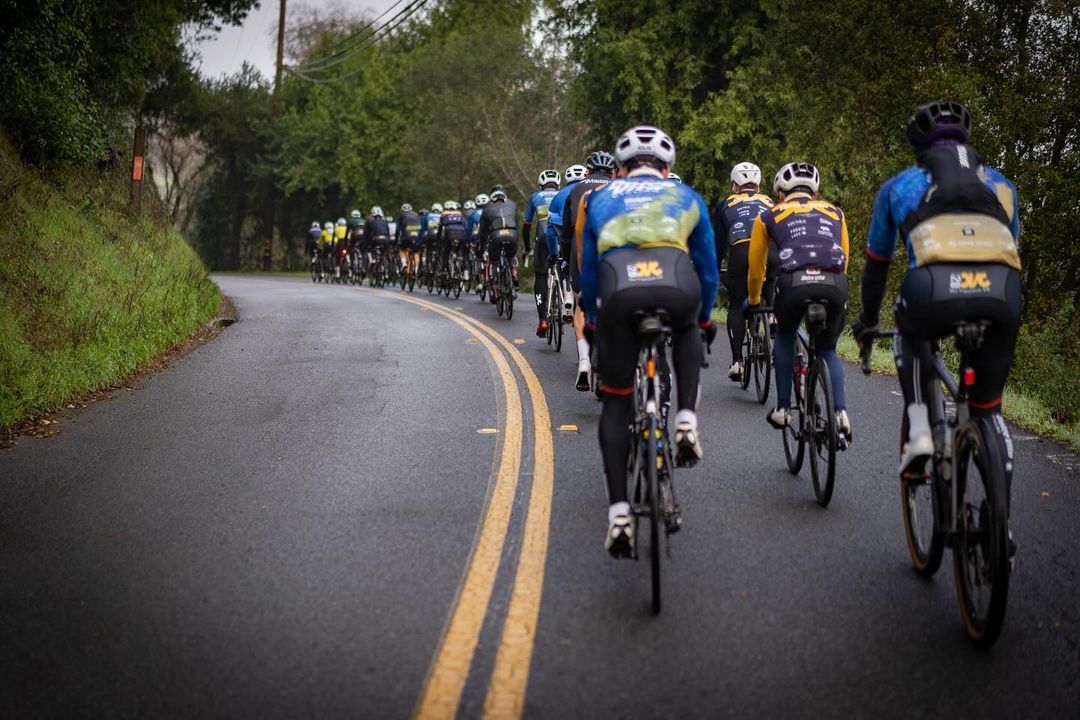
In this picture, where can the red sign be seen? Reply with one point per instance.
(136, 168)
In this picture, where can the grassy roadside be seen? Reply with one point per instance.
(87, 294)
(1021, 409)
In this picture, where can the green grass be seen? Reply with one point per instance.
(87, 294)
(1022, 409)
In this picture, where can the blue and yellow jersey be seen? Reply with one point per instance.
(555, 208)
(808, 233)
(539, 203)
(902, 193)
(643, 211)
(736, 215)
(472, 223)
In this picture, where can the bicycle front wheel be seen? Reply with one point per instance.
(981, 553)
(821, 428)
(749, 360)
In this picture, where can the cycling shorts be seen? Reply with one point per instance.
(795, 289)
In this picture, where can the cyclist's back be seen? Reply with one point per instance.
(647, 245)
(958, 219)
(377, 230)
(537, 212)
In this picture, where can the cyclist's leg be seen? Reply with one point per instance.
(787, 307)
(682, 303)
(735, 282)
(836, 295)
(540, 283)
(618, 362)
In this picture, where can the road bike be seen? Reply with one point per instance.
(556, 305)
(502, 289)
(481, 275)
(961, 500)
(650, 463)
(456, 275)
(316, 267)
(757, 353)
(812, 424)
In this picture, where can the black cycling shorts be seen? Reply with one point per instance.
(795, 289)
(629, 282)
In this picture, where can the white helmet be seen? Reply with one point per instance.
(341, 221)
(470, 205)
(376, 211)
(482, 200)
(575, 172)
(548, 177)
(673, 176)
(354, 214)
(452, 205)
(797, 174)
(499, 194)
(328, 226)
(406, 207)
(315, 225)
(645, 141)
(436, 207)
(746, 173)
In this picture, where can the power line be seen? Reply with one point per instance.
(338, 46)
(380, 34)
(363, 44)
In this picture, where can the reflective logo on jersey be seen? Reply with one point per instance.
(968, 280)
(645, 270)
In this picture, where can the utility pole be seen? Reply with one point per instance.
(275, 111)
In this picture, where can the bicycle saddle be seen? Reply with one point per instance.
(816, 315)
(651, 325)
(970, 335)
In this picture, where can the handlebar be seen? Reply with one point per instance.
(867, 348)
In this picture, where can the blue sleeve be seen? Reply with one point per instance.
(881, 240)
(590, 262)
(530, 209)
(702, 244)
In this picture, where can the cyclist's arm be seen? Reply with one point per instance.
(590, 261)
(703, 252)
(845, 242)
(759, 257)
(720, 232)
(880, 246)
(579, 225)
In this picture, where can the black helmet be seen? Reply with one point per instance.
(601, 160)
(939, 120)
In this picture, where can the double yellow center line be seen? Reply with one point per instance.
(450, 667)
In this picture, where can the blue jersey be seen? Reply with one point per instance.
(539, 205)
(555, 210)
(902, 193)
(642, 211)
(429, 226)
(472, 222)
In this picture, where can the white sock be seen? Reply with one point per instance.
(918, 419)
(687, 416)
(616, 509)
(582, 350)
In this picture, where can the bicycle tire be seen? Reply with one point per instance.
(654, 515)
(507, 293)
(983, 562)
(822, 431)
(558, 329)
(926, 552)
(795, 431)
(748, 355)
(763, 362)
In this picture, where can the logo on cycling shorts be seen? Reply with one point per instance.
(644, 270)
(969, 281)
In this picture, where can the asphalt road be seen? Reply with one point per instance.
(343, 507)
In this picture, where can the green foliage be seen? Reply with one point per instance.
(73, 71)
(86, 294)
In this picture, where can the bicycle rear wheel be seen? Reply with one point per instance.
(821, 427)
(747, 354)
(795, 430)
(654, 513)
(981, 553)
(507, 293)
(762, 358)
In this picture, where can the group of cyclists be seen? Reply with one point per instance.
(625, 236)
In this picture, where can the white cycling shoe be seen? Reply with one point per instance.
(735, 372)
(688, 450)
(920, 445)
(620, 535)
(843, 427)
(779, 418)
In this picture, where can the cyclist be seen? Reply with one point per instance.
(644, 220)
(965, 268)
(311, 245)
(573, 175)
(733, 219)
(341, 229)
(537, 210)
(472, 225)
(355, 227)
(377, 233)
(498, 227)
(407, 237)
(675, 177)
(429, 228)
(451, 232)
(326, 246)
(600, 166)
(811, 237)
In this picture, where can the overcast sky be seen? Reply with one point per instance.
(255, 41)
